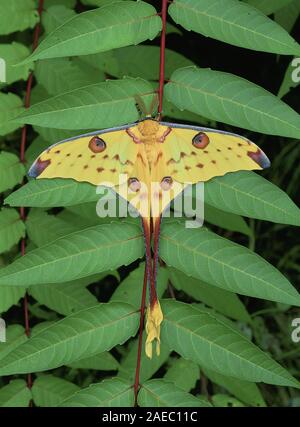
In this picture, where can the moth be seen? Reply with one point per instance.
(149, 162)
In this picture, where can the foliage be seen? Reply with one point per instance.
(226, 334)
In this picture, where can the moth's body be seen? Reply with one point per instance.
(134, 158)
(149, 136)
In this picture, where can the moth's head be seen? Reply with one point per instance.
(145, 109)
(148, 127)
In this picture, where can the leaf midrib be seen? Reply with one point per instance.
(156, 396)
(223, 264)
(70, 256)
(222, 99)
(255, 198)
(30, 194)
(213, 343)
(103, 402)
(90, 33)
(234, 24)
(6, 225)
(64, 342)
(73, 108)
(15, 396)
(69, 299)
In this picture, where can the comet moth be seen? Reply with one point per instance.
(149, 163)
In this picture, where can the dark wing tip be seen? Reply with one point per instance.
(260, 158)
(38, 167)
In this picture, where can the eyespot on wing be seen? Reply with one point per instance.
(201, 140)
(97, 145)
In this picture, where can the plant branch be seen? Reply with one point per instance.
(22, 160)
(140, 344)
(162, 58)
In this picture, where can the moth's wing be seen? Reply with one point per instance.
(164, 190)
(153, 195)
(224, 152)
(139, 197)
(78, 159)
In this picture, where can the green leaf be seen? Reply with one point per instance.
(12, 171)
(80, 221)
(130, 289)
(109, 393)
(268, 7)
(13, 53)
(77, 255)
(135, 61)
(16, 394)
(172, 29)
(228, 221)
(15, 335)
(233, 22)
(288, 15)
(96, 2)
(47, 193)
(9, 296)
(224, 401)
(148, 366)
(99, 362)
(245, 391)
(236, 326)
(12, 229)
(204, 255)
(198, 336)
(289, 81)
(160, 393)
(50, 391)
(85, 333)
(38, 94)
(101, 105)
(84, 213)
(52, 3)
(61, 75)
(53, 135)
(64, 298)
(223, 301)
(43, 228)
(55, 16)
(111, 26)
(93, 73)
(183, 373)
(16, 16)
(170, 110)
(37, 146)
(10, 106)
(232, 100)
(249, 194)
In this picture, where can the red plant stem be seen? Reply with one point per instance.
(162, 57)
(148, 267)
(140, 344)
(22, 160)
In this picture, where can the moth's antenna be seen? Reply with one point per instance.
(140, 106)
(154, 104)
